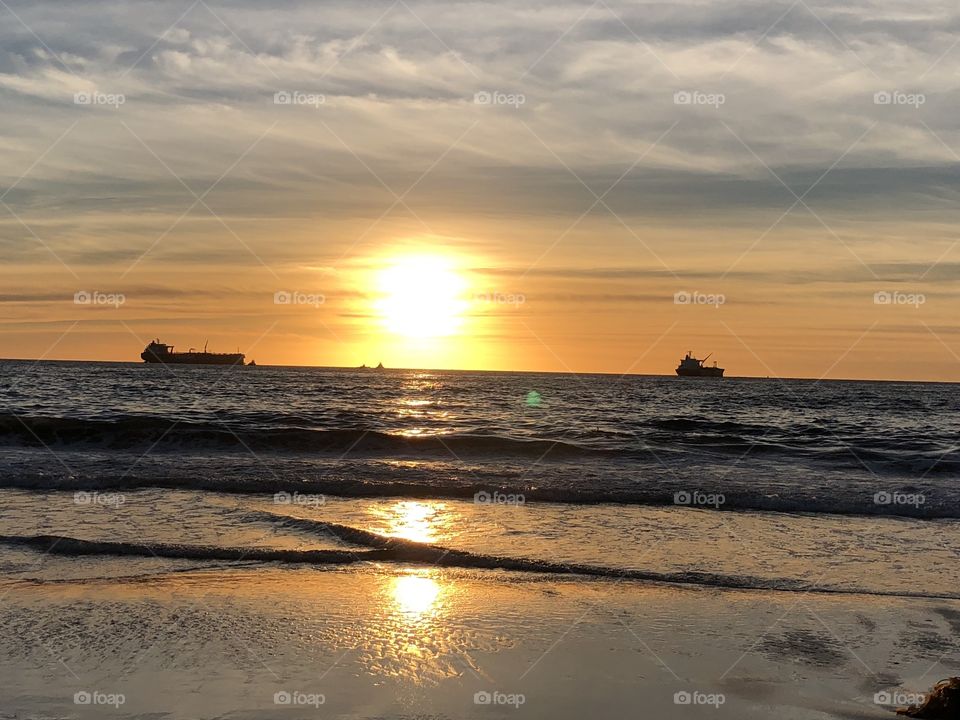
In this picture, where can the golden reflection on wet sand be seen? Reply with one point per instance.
(417, 642)
(415, 595)
(414, 638)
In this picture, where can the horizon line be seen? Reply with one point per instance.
(514, 372)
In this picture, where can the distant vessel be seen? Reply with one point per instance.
(692, 367)
(157, 352)
(365, 367)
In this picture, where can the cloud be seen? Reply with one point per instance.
(793, 113)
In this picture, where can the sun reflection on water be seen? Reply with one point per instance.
(412, 520)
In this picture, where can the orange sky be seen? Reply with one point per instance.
(593, 191)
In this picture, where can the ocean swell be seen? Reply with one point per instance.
(158, 434)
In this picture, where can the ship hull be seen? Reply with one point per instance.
(700, 372)
(193, 358)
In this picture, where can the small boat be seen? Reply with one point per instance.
(692, 367)
(252, 363)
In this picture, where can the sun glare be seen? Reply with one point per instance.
(422, 296)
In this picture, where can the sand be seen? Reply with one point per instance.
(406, 642)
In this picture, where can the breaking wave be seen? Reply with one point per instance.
(858, 449)
(383, 549)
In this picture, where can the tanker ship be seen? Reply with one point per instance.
(158, 352)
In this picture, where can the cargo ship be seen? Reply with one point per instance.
(158, 352)
(692, 367)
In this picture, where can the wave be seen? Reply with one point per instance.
(406, 551)
(941, 504)
(132, 432)
(679, 439)
(858, 447)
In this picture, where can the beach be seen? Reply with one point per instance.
(200, 637)
(413, 642)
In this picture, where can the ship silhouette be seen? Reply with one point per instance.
(158, 352)
(692, 367)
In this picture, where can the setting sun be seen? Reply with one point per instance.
(422, 296)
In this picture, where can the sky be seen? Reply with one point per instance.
(564, 186)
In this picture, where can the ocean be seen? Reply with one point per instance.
(512, 455)
(123, 478)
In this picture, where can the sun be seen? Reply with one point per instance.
(422, 296)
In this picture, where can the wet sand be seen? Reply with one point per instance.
(404, 642)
